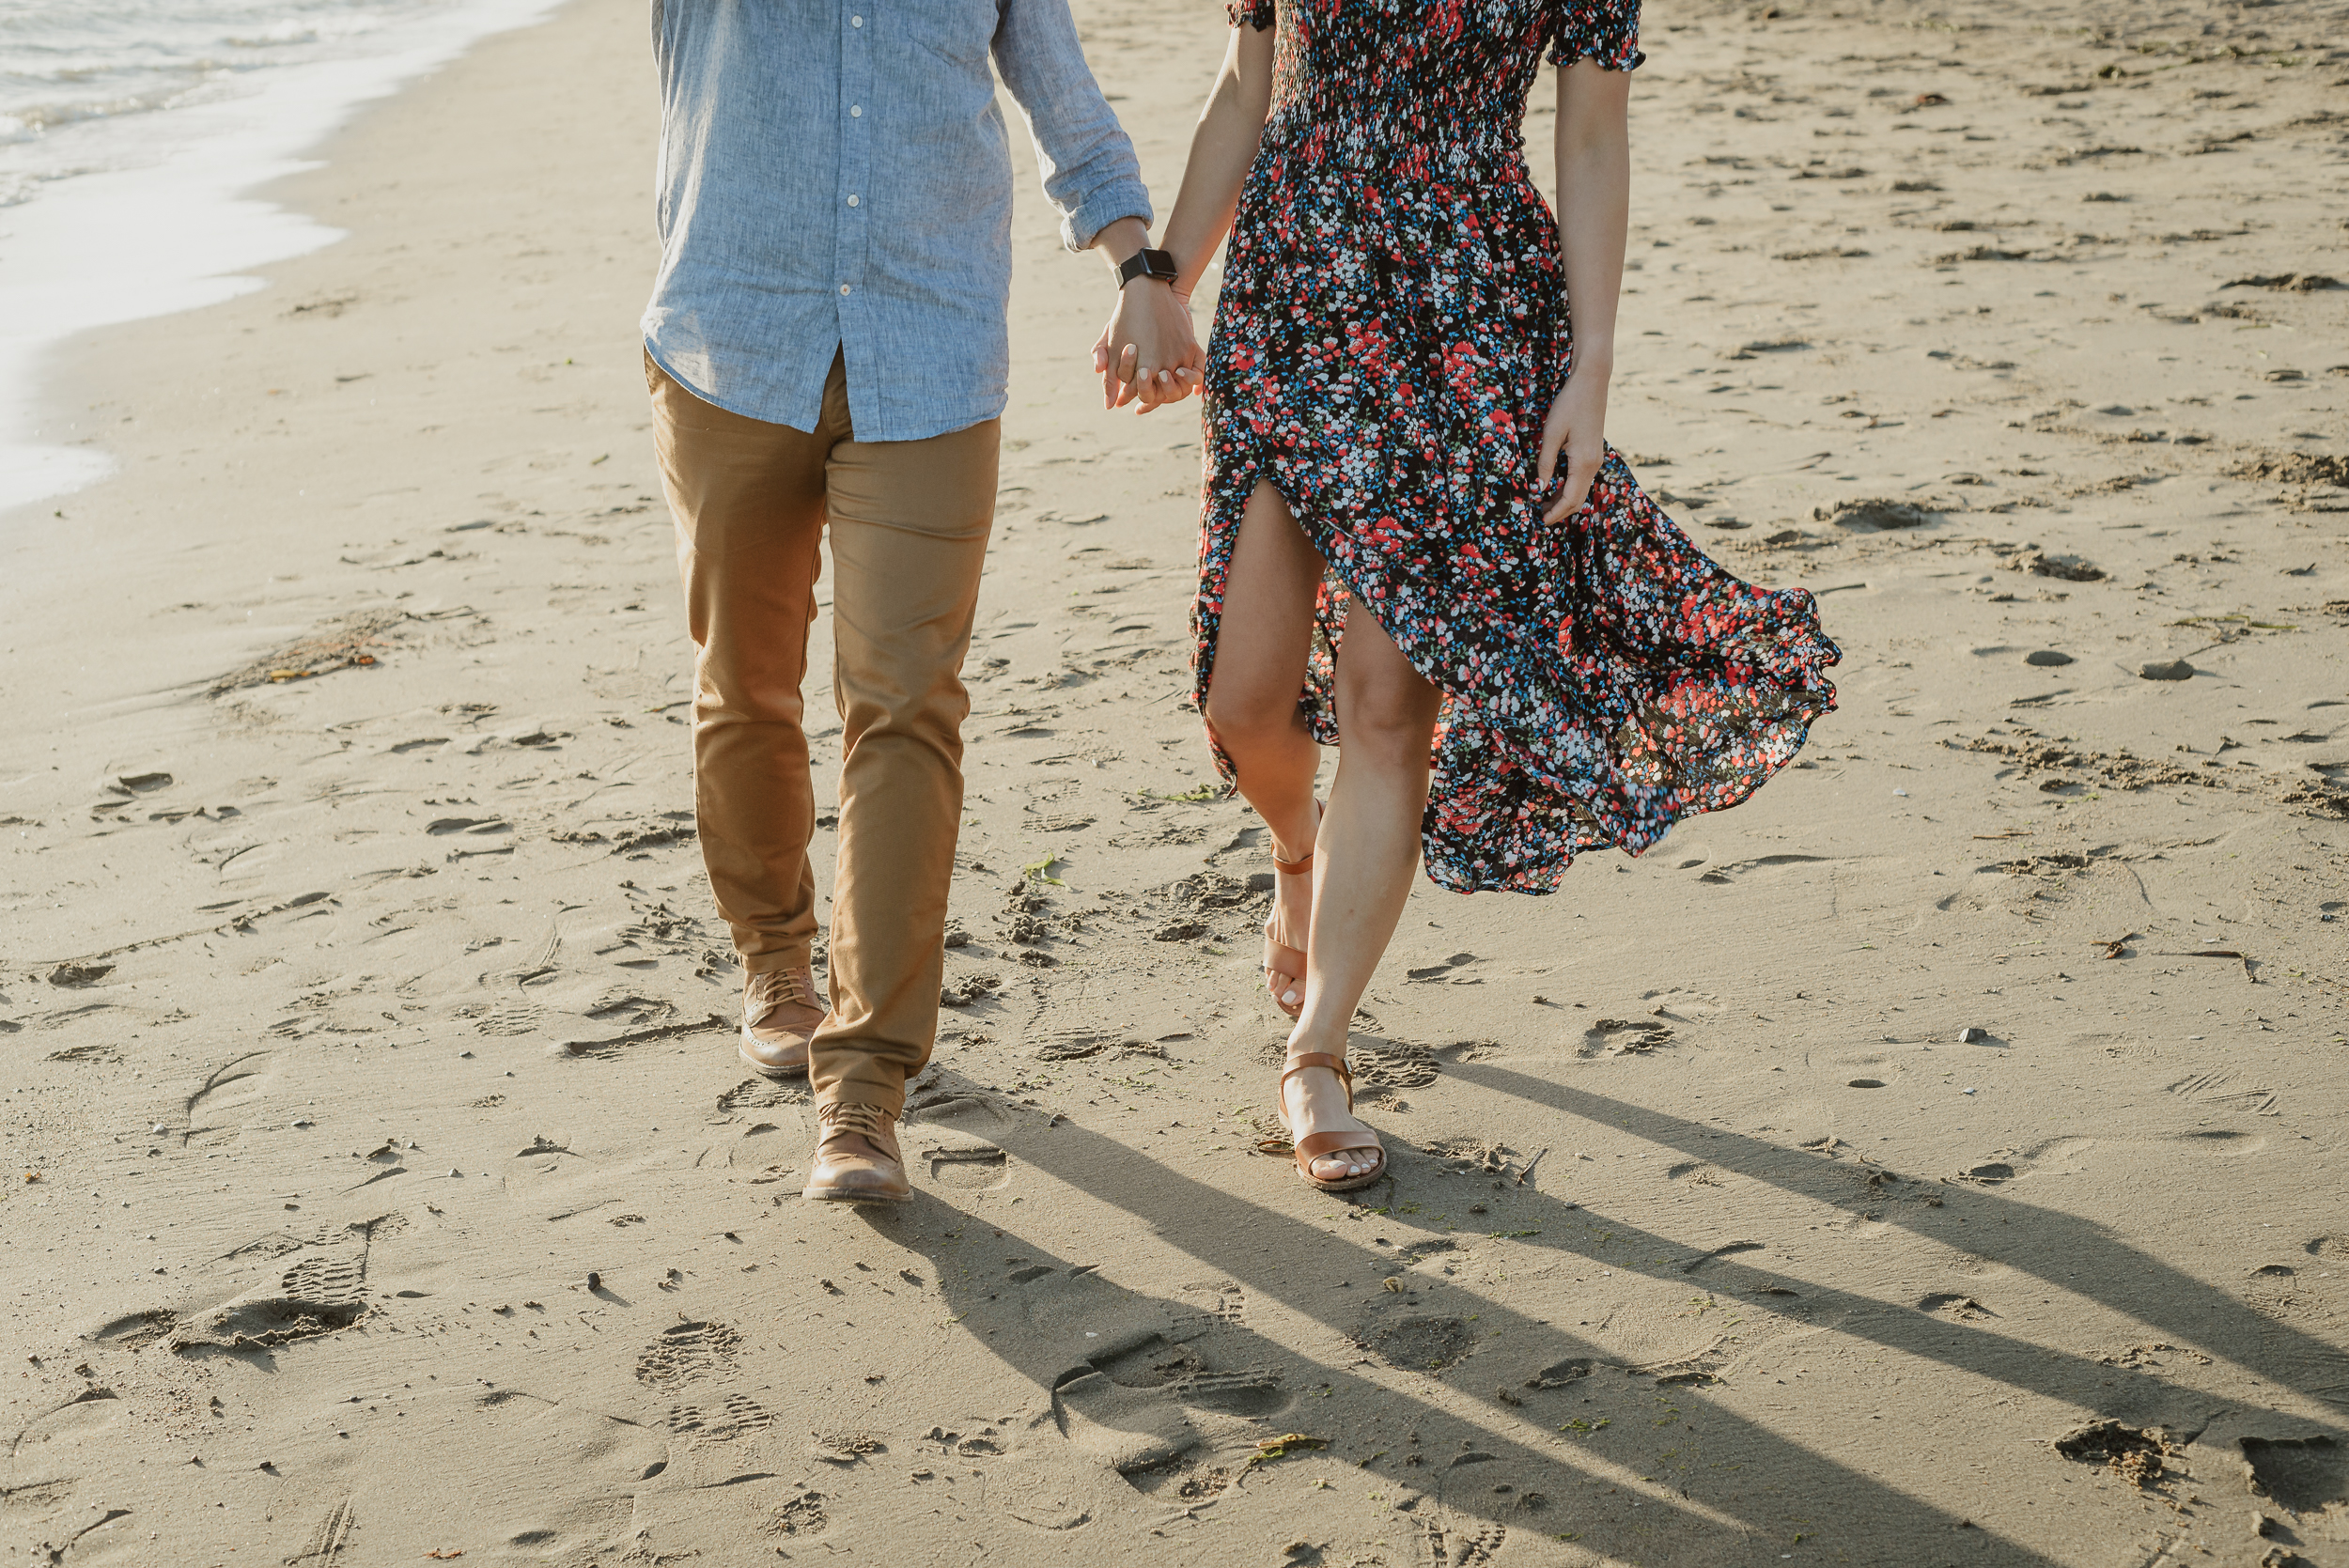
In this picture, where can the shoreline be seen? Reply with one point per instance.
(102, 248)
(1786, 1194)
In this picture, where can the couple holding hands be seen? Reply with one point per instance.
(1416, 545)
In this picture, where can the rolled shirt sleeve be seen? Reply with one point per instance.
(1085, 158)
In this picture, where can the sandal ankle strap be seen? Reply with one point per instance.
(1335, 1063)
(1300, 866)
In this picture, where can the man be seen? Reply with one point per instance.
(826, 346)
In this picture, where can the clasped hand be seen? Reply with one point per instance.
(1148, 354)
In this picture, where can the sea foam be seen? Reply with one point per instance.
(132, 132)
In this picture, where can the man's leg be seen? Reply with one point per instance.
(748, 497)
(910, 521)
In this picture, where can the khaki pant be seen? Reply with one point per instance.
(908, 523)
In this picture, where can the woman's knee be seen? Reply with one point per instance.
(1391, 720)
(1242, 711)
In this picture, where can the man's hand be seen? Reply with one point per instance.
(1578, 425)
(1148, 354)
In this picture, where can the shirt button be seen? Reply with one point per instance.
(852, 201)
(856, 22)
(843, 288)
(856, 111)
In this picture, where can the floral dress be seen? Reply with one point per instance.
(1392, 330)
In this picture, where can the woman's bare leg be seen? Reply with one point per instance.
(1369, 854)
(1261, 649)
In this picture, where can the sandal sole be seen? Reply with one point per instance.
(1351, 1183)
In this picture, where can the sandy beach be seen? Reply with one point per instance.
(1937, 1161)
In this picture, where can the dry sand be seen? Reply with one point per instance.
(390, 1189)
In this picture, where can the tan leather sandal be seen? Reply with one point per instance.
(1319, 1145)
(1281, 960)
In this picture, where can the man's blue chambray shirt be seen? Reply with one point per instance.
(836, 176)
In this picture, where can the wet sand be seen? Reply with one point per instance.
(1799, 1192)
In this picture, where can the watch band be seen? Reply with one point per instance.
(1148, 263)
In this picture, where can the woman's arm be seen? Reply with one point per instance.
(1594, 210)
(1222, 148)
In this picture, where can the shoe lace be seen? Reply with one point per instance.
(850, 1116)
(777, 987)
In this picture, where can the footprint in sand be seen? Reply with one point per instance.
(563, 1183)
(954, 1146)
(29, 1503)
(73, 1424)
(1145, 1386)
(1218, 1303)
(2306, 1475)
(136, 1331)
(804, 1514)
(330, 1280)
(1140, 1430)
(2224, 1142)
(1560, 1374)
(762, 1094)
(736, 1416)
(770, 1151)
(1419, 1342)
(686, 1351)
(2052, 1157)
(970, 1169)
(1458, 1545)
(213, 1113)
(322, 1291)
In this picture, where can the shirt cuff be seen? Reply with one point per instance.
(1121, 199)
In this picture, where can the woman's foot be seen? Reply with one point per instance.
(1290, 926)
(1315, 1101)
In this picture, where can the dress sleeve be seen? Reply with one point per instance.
(1251, 13)
(1606, 31)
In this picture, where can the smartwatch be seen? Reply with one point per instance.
(1148, 263)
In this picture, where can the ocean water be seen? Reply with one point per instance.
(86, 85)
(132, 132)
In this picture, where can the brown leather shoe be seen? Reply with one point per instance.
(857, 1159)
(780, 1010)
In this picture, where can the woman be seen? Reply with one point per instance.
(1390, 554)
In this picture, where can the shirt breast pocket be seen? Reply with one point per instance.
(959, 32)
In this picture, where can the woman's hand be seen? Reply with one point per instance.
(1593, 147)
(1148, 354)
(1576, 425)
